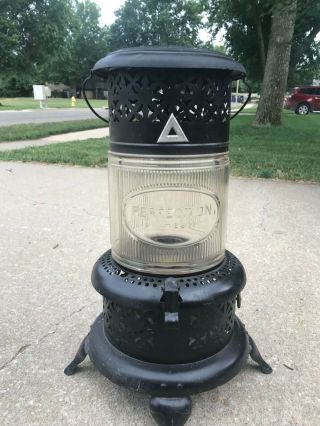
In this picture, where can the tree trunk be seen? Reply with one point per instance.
(262, 50)
(277, 65)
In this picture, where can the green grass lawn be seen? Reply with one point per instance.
(91, 152)
(30, 103)
(18, 132)
(290, 152)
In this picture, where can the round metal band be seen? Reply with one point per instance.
(168, 379)
(172, 149)
(143, 291)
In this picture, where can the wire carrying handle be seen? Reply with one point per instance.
(247, 100)
(87, 101)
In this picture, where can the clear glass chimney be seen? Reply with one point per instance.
(168, 214)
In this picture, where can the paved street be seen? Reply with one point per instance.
(8, 118)
(54, 225)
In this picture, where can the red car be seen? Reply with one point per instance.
(303, 100)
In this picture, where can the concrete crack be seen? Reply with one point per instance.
(62, 321)
(91, 214)
(34, 202)
(24, 347)
(19, 351)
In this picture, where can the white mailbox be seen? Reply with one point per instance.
(39, 92)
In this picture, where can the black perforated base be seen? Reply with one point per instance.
(200, 332)
(141, 321)
(168, 337)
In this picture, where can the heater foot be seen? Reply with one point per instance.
(80, 356)
(170, 411)
(256, 356)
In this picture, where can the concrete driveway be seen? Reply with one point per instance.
(7, 118)
(54, 225)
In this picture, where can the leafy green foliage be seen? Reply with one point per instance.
(305, 51)
(239, 19)
(85, 43)
(48, 41)
(156, 22)
(31, 31)
(247, 25)
(59, 41)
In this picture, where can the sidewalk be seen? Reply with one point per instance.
(53, 226)
(65, 137)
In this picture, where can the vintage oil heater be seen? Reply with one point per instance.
(169, 286)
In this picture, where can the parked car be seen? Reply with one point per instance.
(303, 100)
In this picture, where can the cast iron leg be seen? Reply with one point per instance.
(80, 356)
(256, 356)
(170, 411)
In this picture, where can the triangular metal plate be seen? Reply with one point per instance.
(172, 124)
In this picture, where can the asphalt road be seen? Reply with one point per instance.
(8, 118)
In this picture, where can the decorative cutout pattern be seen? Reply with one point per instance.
(207, 278)
(129, 327)
(143, 334)
(228, 311)
(140, 96)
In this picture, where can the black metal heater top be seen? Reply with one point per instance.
(148, 85)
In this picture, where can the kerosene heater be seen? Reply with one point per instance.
(169, 286)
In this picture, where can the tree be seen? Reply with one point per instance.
(247, 26)
(30, 33)
(85, 43)
(277, 64)
(48, 41)
(305, 50)
(156, 22)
